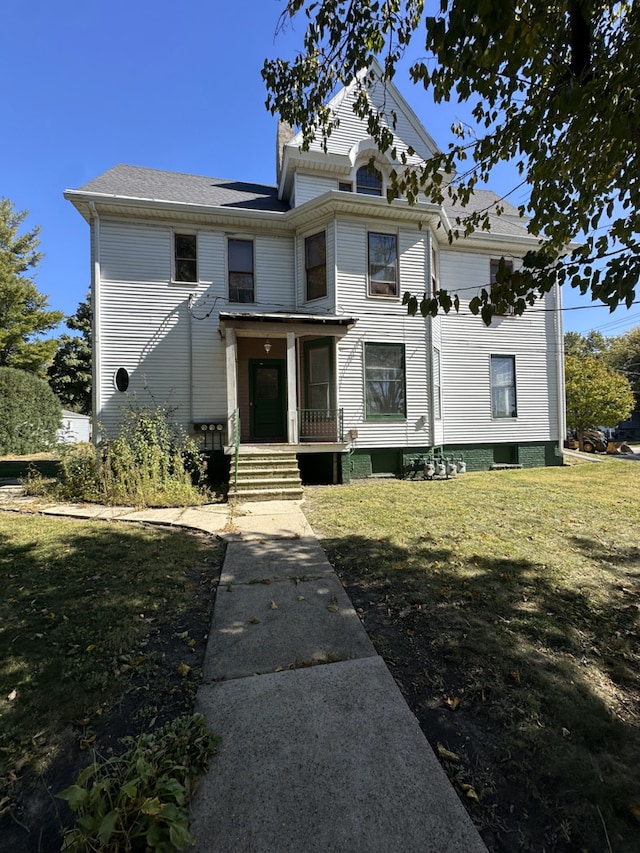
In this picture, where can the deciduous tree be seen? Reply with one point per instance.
(554, 88)
(624, 356)
(24, 316)
(595, 394)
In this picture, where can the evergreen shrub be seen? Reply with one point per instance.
(30, 413)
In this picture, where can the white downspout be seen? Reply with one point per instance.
(562, 420)
(96, 371)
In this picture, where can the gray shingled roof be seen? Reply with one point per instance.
(153, 184)
(480, 201)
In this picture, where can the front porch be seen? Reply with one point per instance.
(282, 389)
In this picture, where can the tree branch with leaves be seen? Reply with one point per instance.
(553, 88)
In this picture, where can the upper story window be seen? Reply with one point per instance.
(383, 264)
(345, 186)
(494, 265)
(185, 257)
(434, 270)
(368, 181)
(241, 278)
(503, 386)
(315, 263)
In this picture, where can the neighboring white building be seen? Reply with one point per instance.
(74, 428)
(277, 312)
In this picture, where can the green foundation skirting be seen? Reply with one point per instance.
(409, 462)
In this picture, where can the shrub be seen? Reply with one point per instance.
(30, 413)
(150, 463)
(139, 800)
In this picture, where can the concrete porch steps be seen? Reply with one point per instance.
(265, 474)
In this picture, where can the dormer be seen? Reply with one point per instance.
(352, 161)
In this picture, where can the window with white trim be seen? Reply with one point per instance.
(241, 277)
(368, 180)
(185, 257)
(384, 380)
(315, 264)
(494, 266)
(503, 386)
(434, 270)
(383, 264)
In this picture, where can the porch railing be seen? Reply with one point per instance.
(320, 424)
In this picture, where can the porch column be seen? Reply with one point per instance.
(292, 412)
(232, 382)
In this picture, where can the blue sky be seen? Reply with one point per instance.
(153, 84)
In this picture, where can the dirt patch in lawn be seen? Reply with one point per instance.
(507, 609)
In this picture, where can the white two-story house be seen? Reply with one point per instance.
(273, 314)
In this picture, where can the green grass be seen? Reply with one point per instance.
(515, 597)
(82, 605)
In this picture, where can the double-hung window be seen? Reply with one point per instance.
(315, 263)
(383, 264)
(503, 386)
(494, 270)
(494, 266)
(241, 278)
(434, 271)
(185, 257)
(384, 379)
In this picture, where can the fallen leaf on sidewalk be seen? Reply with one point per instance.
(273, 605)
(333, 607)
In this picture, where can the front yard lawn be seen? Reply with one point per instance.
(102, 634)
(506, 605)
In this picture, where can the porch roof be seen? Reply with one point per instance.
(273, 321)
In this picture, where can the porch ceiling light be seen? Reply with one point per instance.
(267, 347)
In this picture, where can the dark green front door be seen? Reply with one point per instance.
(267, 399)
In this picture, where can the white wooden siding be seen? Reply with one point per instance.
(352, 128)
(173, 357)
(381, 320)
(134, 252)
(467, 346)
(308, 187)
(274, 273)
(150, 339)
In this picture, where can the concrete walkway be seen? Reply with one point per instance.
(319, 751)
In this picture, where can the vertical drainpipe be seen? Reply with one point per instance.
(562, 428)
(190, 321)
(96, 371)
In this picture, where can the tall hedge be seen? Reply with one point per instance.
(30, 413)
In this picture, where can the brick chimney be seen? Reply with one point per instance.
(284, 136)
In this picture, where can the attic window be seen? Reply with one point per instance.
(368, 181)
